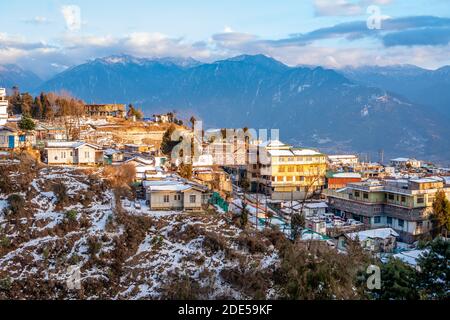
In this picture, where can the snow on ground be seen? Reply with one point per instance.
(118, 257)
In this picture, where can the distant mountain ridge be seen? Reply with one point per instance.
(314, 107)
(12, 75)
(430, 88)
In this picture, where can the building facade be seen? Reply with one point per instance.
(176, 195)
(285, 173)
(12, 138)
(404, 205)
(344, 160)
(3, 107)
(338, 180)
(77, 153)
(105, 110)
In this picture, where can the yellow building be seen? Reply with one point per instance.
(285, 172)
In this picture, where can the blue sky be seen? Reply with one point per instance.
(48, 36)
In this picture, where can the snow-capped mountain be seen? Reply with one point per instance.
(311, 106)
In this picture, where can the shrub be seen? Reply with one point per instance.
(5, 242)
(94, 246)
(5, 284)
(214, 241)
(71, 215)
(16, 203)
(60, 191)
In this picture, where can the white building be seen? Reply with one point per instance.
(343, 160)
(73, 152)
(405, 163)
(178, 195)
(3, 107)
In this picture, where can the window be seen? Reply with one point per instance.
(357, 194)
(192, 198)
(377, 219)
(289, 179)
(391, 196)
(419, 224)
(281, 169)
(365, 195)
(403, 199)
(421, 199)
(301, 179)
(291, 169)
(166, 199)
(177, 197)
(389, 220)
(401, 223)
(86, 154)
(71, 153)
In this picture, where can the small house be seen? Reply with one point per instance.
(382, 240)
(179, 195)
(77, 153)
(12, 138)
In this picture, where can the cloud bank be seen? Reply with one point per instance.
(420, 40)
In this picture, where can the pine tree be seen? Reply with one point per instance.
(26, 123)
(36, 111)
(434, 276)
(167, 144)
(399, 281)
(47, 110)
(441, 212)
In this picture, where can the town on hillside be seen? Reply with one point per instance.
(153, 171)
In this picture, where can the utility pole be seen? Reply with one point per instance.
(257, 210)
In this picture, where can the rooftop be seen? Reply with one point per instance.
(382, 233)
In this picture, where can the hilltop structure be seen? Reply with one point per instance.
(105, 110)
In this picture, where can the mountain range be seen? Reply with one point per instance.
(402, 110)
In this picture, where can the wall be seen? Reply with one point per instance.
(198, 199)
(86, 155)
(157, 201)
(57, 152)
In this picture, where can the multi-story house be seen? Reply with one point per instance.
(285, 172)
(404, 205)
(3, 107)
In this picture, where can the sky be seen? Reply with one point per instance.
(48, 36)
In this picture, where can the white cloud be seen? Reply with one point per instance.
(72, 15)
(38, 20)
(345, 7)
(227, 29)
